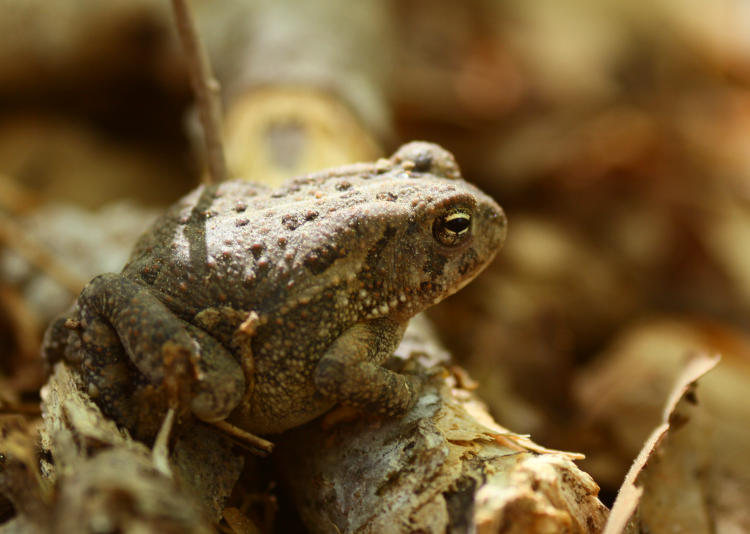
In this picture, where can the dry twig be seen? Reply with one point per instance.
(207, 90)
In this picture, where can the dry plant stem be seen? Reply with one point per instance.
(258, 445)
(36, 253)
(207, 90)
(160, 450)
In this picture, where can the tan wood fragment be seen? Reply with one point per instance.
(438, 469)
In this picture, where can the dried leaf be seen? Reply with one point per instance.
(631, 494)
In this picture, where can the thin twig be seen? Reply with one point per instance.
(206, 88)
(258, 445)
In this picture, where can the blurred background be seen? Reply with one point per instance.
(615, 134)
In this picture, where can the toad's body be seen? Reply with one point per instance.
(267, 308)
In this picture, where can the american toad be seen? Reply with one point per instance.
(265, 308)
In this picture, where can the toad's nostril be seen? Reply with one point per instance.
(423, 162)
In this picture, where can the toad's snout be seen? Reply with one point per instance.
(492, 226)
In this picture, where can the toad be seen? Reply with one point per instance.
(266, 308)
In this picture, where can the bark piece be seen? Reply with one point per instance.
(105, 481)
(444, 467)
(21, 485)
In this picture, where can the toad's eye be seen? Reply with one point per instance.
(452, 228)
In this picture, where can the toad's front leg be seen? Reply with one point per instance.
(350, 371)
(122, 320)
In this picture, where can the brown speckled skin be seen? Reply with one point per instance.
(267, 308)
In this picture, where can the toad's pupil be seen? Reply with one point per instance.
(458, 223)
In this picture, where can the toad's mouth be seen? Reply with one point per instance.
(470, 266)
